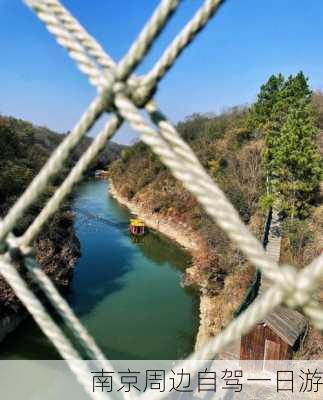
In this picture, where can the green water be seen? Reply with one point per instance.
(127, 293)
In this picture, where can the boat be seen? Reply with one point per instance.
(137, 227)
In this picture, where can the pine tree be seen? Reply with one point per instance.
(261, 112)
(296, 165)
(283, 113)
(292, 90)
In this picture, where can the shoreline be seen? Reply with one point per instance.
(182, 235)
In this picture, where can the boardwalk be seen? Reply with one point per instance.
(285, 322)
(273, 247)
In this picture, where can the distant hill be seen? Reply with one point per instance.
(48, 140)
(24, 150)
(111, 152)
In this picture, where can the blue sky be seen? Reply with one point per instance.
(246, 42)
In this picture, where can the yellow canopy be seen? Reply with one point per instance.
(136, 222)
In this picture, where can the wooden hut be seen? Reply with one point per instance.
(275, 338)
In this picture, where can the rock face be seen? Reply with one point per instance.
(57, 250)
(57, 255)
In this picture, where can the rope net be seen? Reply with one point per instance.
(123, 94)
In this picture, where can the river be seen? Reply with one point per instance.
(126, 292)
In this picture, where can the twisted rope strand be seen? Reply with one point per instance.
(76, 29)
(50, 208)
(146, 38)
(238, 327)
(141, 46)
(66, 40)
(196, 24)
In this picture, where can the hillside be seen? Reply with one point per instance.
(231, 148)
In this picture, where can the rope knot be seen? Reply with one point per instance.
(298, 290)
(141, 91)
(119, 87)
(12, 247)
(136, 89)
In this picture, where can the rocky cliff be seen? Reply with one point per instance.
(57, 253)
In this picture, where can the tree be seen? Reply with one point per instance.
(261, 112)
(295, 88)
(296, 162)
(289, 92)
(283, 114)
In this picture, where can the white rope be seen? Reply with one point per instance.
(169, 57)
(122, 93)
(65, 39)
(146, 37)
(76, 29)
(241, 325)
(137, 51)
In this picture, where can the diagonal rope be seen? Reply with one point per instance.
(140, 47)
(67, 40)
(60, 23)
(208, 3)
(239, 326)
(146, 38)
(88, 119)
(185, 37)
(85, 39)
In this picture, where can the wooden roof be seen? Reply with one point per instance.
(288, 324)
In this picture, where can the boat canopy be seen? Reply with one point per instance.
(136, 222)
